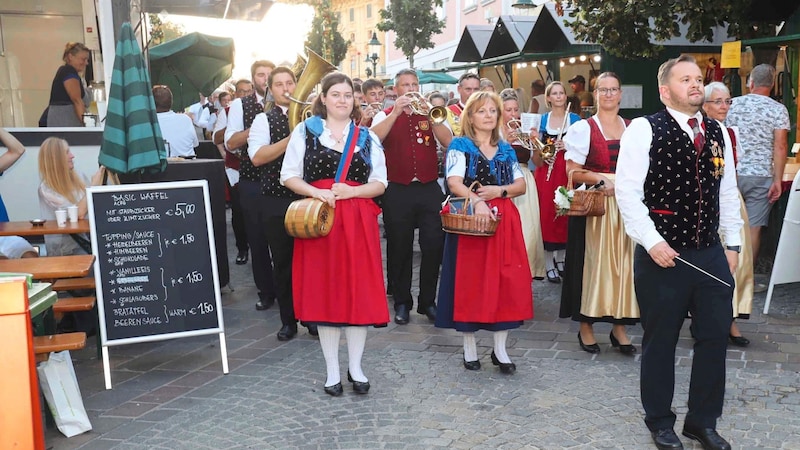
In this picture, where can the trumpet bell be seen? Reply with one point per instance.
(437, 114)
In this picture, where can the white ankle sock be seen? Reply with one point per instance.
(329, 341)
(356, 339)
(560, 255)
(500, 346)
(548, 261)
(470, 347)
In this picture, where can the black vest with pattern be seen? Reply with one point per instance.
(680, 189)
(320, 162)
(250, 109)
(271, 175)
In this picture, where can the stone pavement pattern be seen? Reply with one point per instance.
(173, 395)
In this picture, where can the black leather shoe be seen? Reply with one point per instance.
(707, 437)
(560, 267)
(552, 276)
(312, 330)
(241, 258)
(401, 315)
(335, 390)
(430, 312)
(359, 387)
(666, 439)
(472, 365)
(591, 348)
(507, 368)
(625, 349)
(739, 341)
(263, 304)
(287, 332)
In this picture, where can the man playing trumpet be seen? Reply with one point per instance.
(412, 199)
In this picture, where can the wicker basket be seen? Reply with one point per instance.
(585, 203)
(457, 221)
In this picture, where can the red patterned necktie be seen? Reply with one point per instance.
(699, 138)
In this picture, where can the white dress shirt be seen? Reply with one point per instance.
(296, 152)
(178, 131)
(201, 115)
(579, 138)
(236, 118)
(632, 167)
(259, 132)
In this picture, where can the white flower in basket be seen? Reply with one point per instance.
(562, 199)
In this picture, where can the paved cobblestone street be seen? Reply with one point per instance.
(173, 395)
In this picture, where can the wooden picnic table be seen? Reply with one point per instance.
(50, 267)
(26, 228)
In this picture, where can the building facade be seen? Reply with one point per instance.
(358, 20)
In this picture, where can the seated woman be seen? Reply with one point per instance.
(61, 187)
(486, 281)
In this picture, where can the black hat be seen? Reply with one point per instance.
(578, 79)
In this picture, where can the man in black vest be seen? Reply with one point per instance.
(266, 144)
(240, 116)
(677, 197)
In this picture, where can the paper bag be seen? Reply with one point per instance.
(60, 388)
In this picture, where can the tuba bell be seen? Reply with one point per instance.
(312, 72)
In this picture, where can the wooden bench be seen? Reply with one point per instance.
(72, 304)
(71, 284)
(44, 345)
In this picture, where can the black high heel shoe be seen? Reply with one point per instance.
(739, 341)
(335, 390)
(359, 387)
(507, 368)
(591, 348)
(626, 349)
(472, 365)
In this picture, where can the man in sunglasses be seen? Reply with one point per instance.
(763, 131)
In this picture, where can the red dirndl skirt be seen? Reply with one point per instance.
(338, 279)
(554, 229)
(493, 278)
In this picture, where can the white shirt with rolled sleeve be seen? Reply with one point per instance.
(236, 118)
(259, 133)
(296, 151)
(632, 167)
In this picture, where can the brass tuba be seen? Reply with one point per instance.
(311, 73)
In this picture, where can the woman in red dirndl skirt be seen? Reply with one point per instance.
(486, 281)
(337, 280)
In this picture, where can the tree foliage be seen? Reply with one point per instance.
(324, 37)
(628, 28)
(163, 31)
(414, 23)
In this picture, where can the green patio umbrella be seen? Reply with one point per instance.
(430, 77)
(192, 64)
(132, 141)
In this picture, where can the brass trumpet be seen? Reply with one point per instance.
(420, 106)
(531, 141)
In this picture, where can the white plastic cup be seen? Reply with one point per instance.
(61, 217)
(72, 213)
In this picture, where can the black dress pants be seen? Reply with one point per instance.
(406, 207)
(281, 246)
(237, 219)
(665, 297)
(260, 259)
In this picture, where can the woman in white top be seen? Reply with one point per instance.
(337, 280)
(598, 283)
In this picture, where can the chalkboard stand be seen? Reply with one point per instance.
(787, 257)
(156, 266)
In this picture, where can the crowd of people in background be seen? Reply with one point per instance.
(368, 149)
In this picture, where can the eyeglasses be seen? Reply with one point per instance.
(718, 102)
(608, 91)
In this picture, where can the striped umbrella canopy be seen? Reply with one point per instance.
(132, 141)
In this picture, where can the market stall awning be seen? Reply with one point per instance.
(473, 43)
(509, 35)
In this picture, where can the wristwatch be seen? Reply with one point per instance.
(504, 194)
(734, 248)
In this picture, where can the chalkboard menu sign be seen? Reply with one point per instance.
(156, 271)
